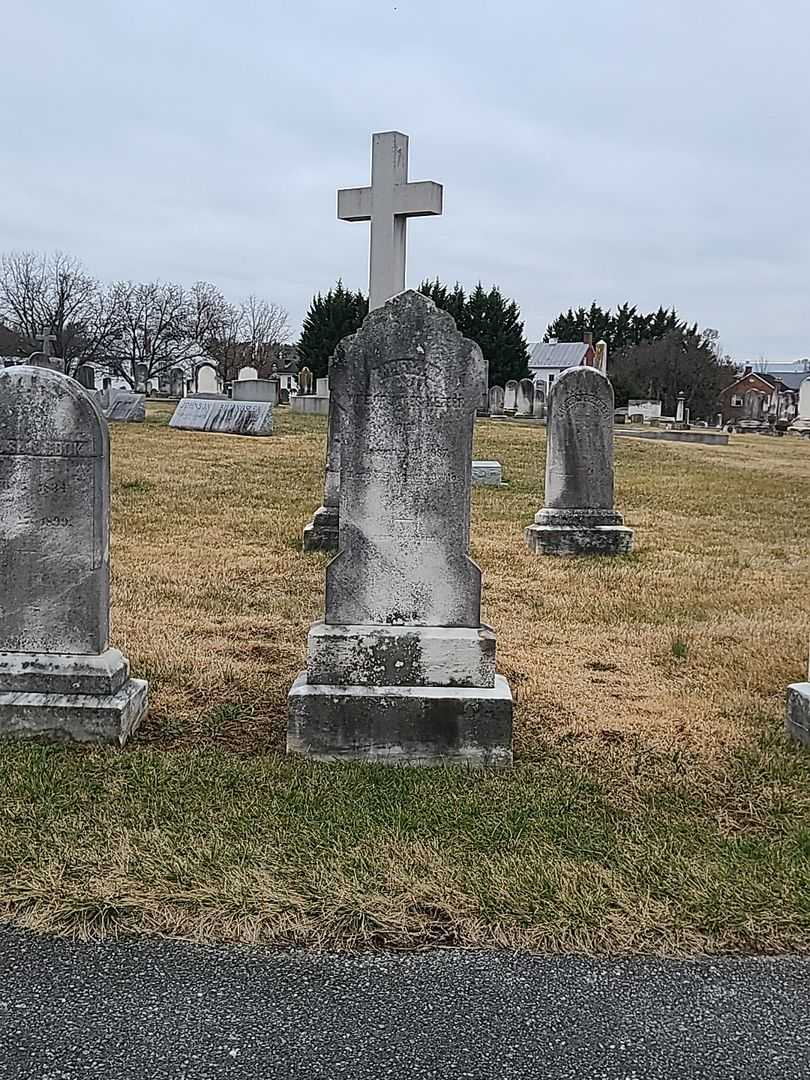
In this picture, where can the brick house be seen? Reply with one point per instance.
(757, 396)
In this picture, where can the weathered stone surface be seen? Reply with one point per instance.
(539, 404)
(58, 677)
(86, 376)
(577, 515)
(487, 474)
(45, 360)
(206, 380)
(410, 384)
(402, 725)
(310, 404)
(54, 514)
(247, 373)
(797, 719)
(401, 655)
(256, 390)
(223, 416)
(524, 398)
(401, 670)
(125, 407)
(496, 401)
(510, 396)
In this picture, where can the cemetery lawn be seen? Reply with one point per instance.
(655, 804)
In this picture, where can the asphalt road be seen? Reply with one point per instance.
(157, 1009)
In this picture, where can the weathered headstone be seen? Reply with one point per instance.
(306, 381)
(247, 372)
(207, 380)
(322, 533)
(797, 718)
(46, 361)
(401, 669)
(255, 390)
(58, 675)
(223, 416)
(577, 517)
(177, 382)
(487, 474)
(524, 402)
(322, 387)
(86, 376)
(510, 397)
(496, 401)
(802, 422)
(679, 408)
(125, 407)
(539, 403)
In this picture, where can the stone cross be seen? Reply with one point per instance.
(46, 340)
(387, 204)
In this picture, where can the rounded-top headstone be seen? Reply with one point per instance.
(496, 400)
(525, 397)
(54, 515)
(579, 455)
(510, 396)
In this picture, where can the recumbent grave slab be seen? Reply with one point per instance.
(223, 416)
(58, 676)
(401, 669)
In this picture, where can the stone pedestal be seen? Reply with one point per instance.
(579, 532)
(797, 720)
(401, 670)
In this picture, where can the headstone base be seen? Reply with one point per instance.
(487, 474)
(62, 696)
(375, 655)
(797, 720)
(322, 532)
(401, 725)
(579, 532)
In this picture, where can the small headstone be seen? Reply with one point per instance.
(496, 401)
(305, 381)
(487, 474)
(177, 382)
(256, 390)
(223, 416)
(322, 388)
(797, 718)
(401, 669)
(539, 405)
(636, 418)
(510, 397)
(321, 534)
(46, 361)
(58, 676)
(207, 380)
(125, 407)
(524, 399)
(577, 517)
(86, 376)
(680, 408)
(247, 372)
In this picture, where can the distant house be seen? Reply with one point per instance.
(548, 359)
(761, 396)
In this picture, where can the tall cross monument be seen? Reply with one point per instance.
(46, 340)
(387, 204)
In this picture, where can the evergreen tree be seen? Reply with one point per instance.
(329, 319)
(452, 302)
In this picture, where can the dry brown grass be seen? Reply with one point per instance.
(655, 803)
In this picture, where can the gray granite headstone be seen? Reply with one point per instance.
(223, 416)
(524, 398)
(539, 404)
(401, 669)
(255, 390)
(577, 515)
(54, 550)
(125, 407)
(86, 376)
(177, 382)
(510, 396)
(496, 401)
(321, 534)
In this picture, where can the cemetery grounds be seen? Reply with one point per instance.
(655, 804)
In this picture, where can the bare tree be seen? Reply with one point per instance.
(265, 327)
(55, 294)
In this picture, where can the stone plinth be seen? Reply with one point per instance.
(255, 390)
(577, 517)
(310, 404)
(322, 532)
(401, 669)
(797, 719)
(487, 474)
(58, 675)
(224, 417)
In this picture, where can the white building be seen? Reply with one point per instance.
(548, 359)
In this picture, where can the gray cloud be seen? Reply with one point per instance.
(609, 150)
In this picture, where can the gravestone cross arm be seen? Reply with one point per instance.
(388, 203)
(46, 340)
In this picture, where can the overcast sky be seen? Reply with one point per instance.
(648, 150)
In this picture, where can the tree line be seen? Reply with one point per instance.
(135, 330)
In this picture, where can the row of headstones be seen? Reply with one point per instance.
(400, 669)
(520, 399)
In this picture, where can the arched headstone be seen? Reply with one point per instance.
(178, 382)
(58, 675)
(525, 398)
(510, 396)
(539, 403)
(247, 372)
(86, 376)
(577, 517)
(496, 401)
(207, 380)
